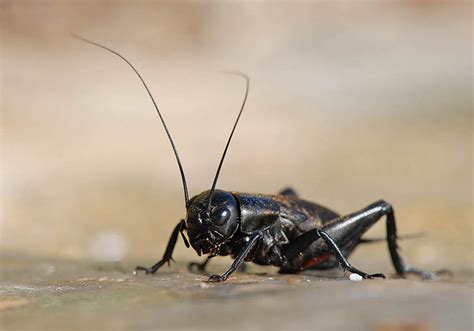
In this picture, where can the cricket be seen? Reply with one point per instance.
(280, 229)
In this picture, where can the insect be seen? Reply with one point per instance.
(280, 229)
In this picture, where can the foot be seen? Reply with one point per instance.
(372, 276)
(140, 268)
(152, 269)
(216, 279)
(364, 274)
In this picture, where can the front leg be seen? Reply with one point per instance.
(239, 259)
(167, 256)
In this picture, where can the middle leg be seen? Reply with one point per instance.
(348, 230)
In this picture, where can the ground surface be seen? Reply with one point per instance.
(40, 294)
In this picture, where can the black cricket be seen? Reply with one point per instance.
(281, 229)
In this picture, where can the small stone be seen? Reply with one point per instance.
(355, 277)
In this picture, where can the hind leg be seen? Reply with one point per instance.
(343, 234)
(358, 223)
(305, 240)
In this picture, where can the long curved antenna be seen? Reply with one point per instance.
(183, 178)
(247, 82)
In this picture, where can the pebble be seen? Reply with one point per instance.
(355, 277)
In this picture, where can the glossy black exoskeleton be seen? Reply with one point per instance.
(281, 230)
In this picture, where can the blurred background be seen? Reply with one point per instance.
(349, 102)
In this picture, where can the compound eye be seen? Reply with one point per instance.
(220, 215)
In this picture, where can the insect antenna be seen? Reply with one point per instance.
(247, 83)
(183, 178)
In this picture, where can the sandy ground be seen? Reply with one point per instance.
(349, 102)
